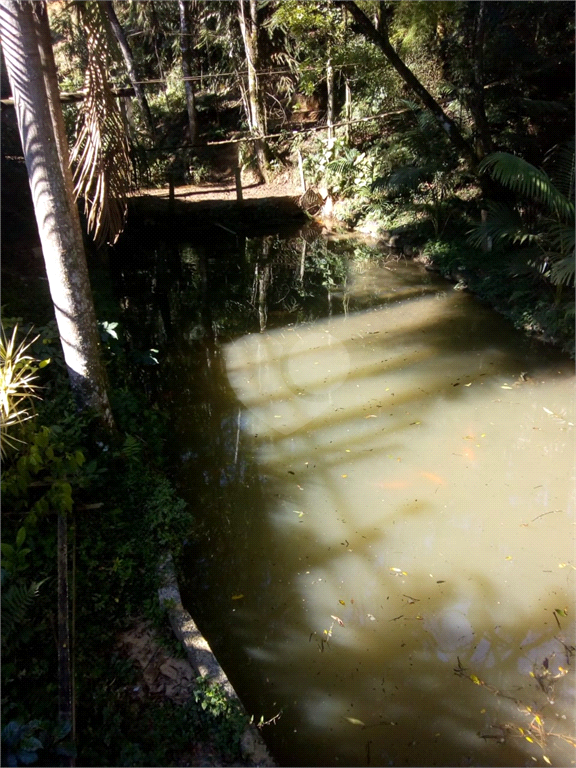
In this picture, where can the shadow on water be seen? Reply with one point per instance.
(298, 586)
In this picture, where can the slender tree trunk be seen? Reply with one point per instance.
(380, 38)
(330, 90)
(130, 65)
(347, 108)
(476, 100)
(186, 48)
(257, 120)
(55, 209)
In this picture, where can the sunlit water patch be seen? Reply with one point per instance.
(386, 549)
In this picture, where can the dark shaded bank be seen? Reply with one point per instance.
(255, 217)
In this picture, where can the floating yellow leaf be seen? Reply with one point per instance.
(468, 385)
(475, 680)
(508, 557)
(529, 739)
(341, 602)
(237, 597)
(297, 512)
(347, 450)
(355, 721)
(344, 475)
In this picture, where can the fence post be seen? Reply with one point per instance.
(238, 177)
(301, 169)
(170, 192)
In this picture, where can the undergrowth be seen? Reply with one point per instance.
(123, 513)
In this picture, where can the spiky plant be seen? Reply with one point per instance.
(100, 156)
(17, 377)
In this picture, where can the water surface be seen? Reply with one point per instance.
(382, 473)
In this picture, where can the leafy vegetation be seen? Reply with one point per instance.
(122, 512)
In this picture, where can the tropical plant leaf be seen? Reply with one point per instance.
(404, 179)
(17, 377)
(100, 156)
(528, 181)
(562, 271)
(560, 164)
(502, 225)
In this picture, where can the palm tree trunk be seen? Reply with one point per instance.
(55, 209)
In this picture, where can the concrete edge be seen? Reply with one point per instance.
(202, 658)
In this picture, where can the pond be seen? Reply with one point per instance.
(381, 472)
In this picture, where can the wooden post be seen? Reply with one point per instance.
(238, 178)
(301, 169)
(347, 109)
(171, 192)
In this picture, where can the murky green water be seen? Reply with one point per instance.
(382, 474)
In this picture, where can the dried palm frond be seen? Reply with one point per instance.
(100, 156)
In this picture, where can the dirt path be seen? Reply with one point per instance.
(281, 186)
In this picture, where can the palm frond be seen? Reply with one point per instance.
(502, 224)
(560, 164)
(562, 271)
(402, 180)
(100, 156)
(527, 180)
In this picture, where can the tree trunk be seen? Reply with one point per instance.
(330, 91)
(476, 99)
(380, 39)
(130, 65)
(54, 206)
(186, 48)
(256, 116)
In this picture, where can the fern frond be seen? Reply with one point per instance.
(526, 180)
(16, 602)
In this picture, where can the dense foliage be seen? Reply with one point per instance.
(122, 512)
